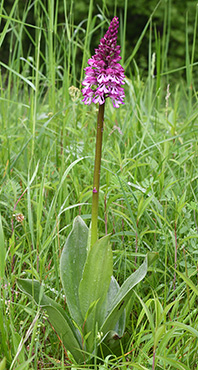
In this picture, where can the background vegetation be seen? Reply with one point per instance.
(170, 19)
(148, 198)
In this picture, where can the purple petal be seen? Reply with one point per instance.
(104, 72)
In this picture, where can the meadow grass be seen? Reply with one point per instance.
(149, 184)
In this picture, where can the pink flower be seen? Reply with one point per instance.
(104, 76)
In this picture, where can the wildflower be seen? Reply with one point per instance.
(104, 76)
(19, 217)
(74, 92)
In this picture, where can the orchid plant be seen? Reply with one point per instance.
(96, 303)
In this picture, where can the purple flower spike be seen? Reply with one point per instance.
(104, 76)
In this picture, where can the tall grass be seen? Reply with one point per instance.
(148, 198)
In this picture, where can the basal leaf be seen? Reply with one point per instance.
(72, 263)
(123, 296)
(95, 284)
(109, 341)
(113, 290)
(57, 317)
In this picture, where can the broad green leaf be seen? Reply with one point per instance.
(123, 296)
(95, 284)
(110, 340)
(113, 290)
(2, 251)
(58, 318)
(72, 263)
(96, 275)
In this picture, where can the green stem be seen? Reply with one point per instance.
(96, 180)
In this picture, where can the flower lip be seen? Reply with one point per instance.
(104, 75)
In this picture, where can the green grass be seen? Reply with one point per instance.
(149, 184)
